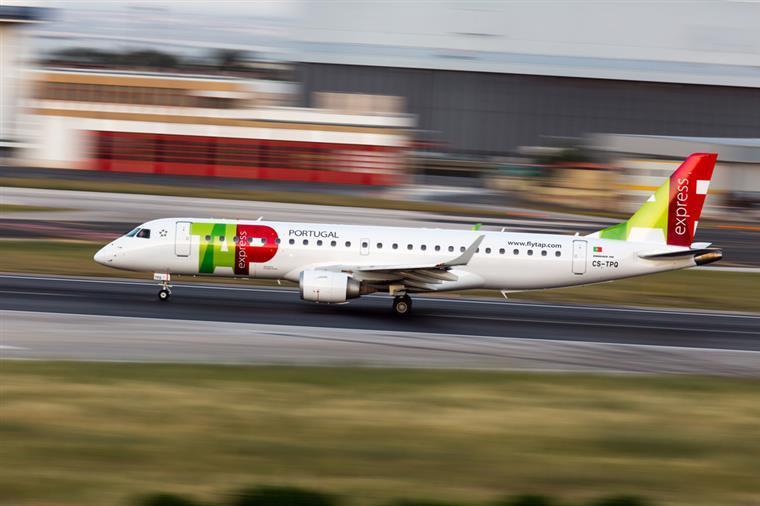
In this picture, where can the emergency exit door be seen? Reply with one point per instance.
(579, 257)
(182, 239)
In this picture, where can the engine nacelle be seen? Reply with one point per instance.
(328, 286)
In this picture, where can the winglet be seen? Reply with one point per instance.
(465, 257)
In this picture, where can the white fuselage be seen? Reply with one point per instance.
(505, 260)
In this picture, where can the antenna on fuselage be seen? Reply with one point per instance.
(259, 218)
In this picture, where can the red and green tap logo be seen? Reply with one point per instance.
(235, 246)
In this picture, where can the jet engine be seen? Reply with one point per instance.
(328, 286)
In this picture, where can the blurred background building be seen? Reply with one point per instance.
(497, 94)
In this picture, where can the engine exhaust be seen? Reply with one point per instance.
(708, 258)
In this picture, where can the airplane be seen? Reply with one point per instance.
(335, 263)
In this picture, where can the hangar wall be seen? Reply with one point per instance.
(488, 113)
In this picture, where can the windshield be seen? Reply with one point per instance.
(132, 232)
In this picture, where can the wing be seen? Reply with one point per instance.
(414, 277)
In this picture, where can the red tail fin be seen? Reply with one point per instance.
(688, 190)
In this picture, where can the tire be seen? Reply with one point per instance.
(402, 306)
(163, 294)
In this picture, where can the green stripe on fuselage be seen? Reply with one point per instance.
(215, 252)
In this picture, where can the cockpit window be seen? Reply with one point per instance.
(144, 233)
(132, 232)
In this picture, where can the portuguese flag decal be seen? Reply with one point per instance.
(597, 249)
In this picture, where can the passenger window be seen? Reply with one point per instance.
(516, 252)
(277, 241)
(319, 242)
(409, 247)
(132, 232)
(395, 246)
(379, 245)
(557, 253)
(477, 250)
(451, 248)
(144, 233)
(423, 247)
(437, 248)
(333, 243)
(543, 253)
(348, 244)
(530, 252)
(501, 251)
(462, 248)
(305, 242)
(488, 251)
(207, 238)
(221, 238)
(365, 244)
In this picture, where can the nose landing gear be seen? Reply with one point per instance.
(165, 292)
(402, 305)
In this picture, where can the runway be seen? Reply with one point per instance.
(106, 319)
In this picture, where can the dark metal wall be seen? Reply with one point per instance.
(473, 112)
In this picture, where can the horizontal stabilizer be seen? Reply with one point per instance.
(701, 256)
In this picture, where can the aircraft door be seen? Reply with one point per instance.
(182, 239)
(364, 247)
(579, 257)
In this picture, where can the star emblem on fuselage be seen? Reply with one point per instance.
(163, 233)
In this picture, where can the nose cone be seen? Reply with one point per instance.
(104, 255)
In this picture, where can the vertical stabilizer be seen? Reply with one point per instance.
(671, 214)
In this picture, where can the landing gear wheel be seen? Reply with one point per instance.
(402, 305)
(163, 294)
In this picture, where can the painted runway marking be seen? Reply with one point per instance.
(44, 294)
(9, 347)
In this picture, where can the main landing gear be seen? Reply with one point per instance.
(402, 305)
(165, 292)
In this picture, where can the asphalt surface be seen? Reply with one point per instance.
(222, 323)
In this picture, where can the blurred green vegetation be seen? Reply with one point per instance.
(699, 289)
(19, 208)
(103, 433)
(291, 197)
(294, 496)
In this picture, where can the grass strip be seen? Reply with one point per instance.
(94, 434)
(254, 195)
(20, 208)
